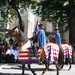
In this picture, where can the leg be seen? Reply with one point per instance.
(73, 56)
(34, 50)
(61, 59)
(42, 55)
(23, 67)
(66, 61)
(69, 60)
(7, 58)
(57, 67)
(12, 58)
(46, 67)
(31, 69)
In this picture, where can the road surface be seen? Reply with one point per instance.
(15, 69)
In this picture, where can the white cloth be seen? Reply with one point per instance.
(25, 46)
(16, 53)
(10, 51)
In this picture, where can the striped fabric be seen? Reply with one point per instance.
(26, 57)
(53, 51)
(67, 49)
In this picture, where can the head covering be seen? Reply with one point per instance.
(41, 26)
(56, 28)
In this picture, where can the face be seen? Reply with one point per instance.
(11, 47)
(55, 31)
(3, 46)
(17, 48)
(39, 27)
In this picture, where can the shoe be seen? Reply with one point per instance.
(33, 57)
(42, 61)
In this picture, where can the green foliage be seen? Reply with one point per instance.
(2, 36)
(55, 11)
(10, 6)
(50, 37)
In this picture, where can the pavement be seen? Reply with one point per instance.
(16, 69)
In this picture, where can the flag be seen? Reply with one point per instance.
(36, 29)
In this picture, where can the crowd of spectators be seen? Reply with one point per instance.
(8, 51)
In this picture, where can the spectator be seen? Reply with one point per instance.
(9, 55)
(65, 41)
(0, 52)
(3, 51)
(16, 53)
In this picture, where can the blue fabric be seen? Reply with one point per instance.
(58, 38)
(42, 38)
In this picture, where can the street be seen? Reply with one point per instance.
(15, 69)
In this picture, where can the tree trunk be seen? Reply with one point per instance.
(19, 16)
(71, 22)
(20, 20)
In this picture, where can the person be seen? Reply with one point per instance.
(41, 41)
(34, 46)
(16, 53)
(41, 36)
(65, 41)
(3, 52)
(57, 36)
(9, 55)
(0, 53)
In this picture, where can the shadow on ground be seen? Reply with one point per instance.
(19, 67)
(11, 74)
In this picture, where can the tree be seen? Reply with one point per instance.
(72, 21)
(61, 12)
(55, 11)
(12, 7)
